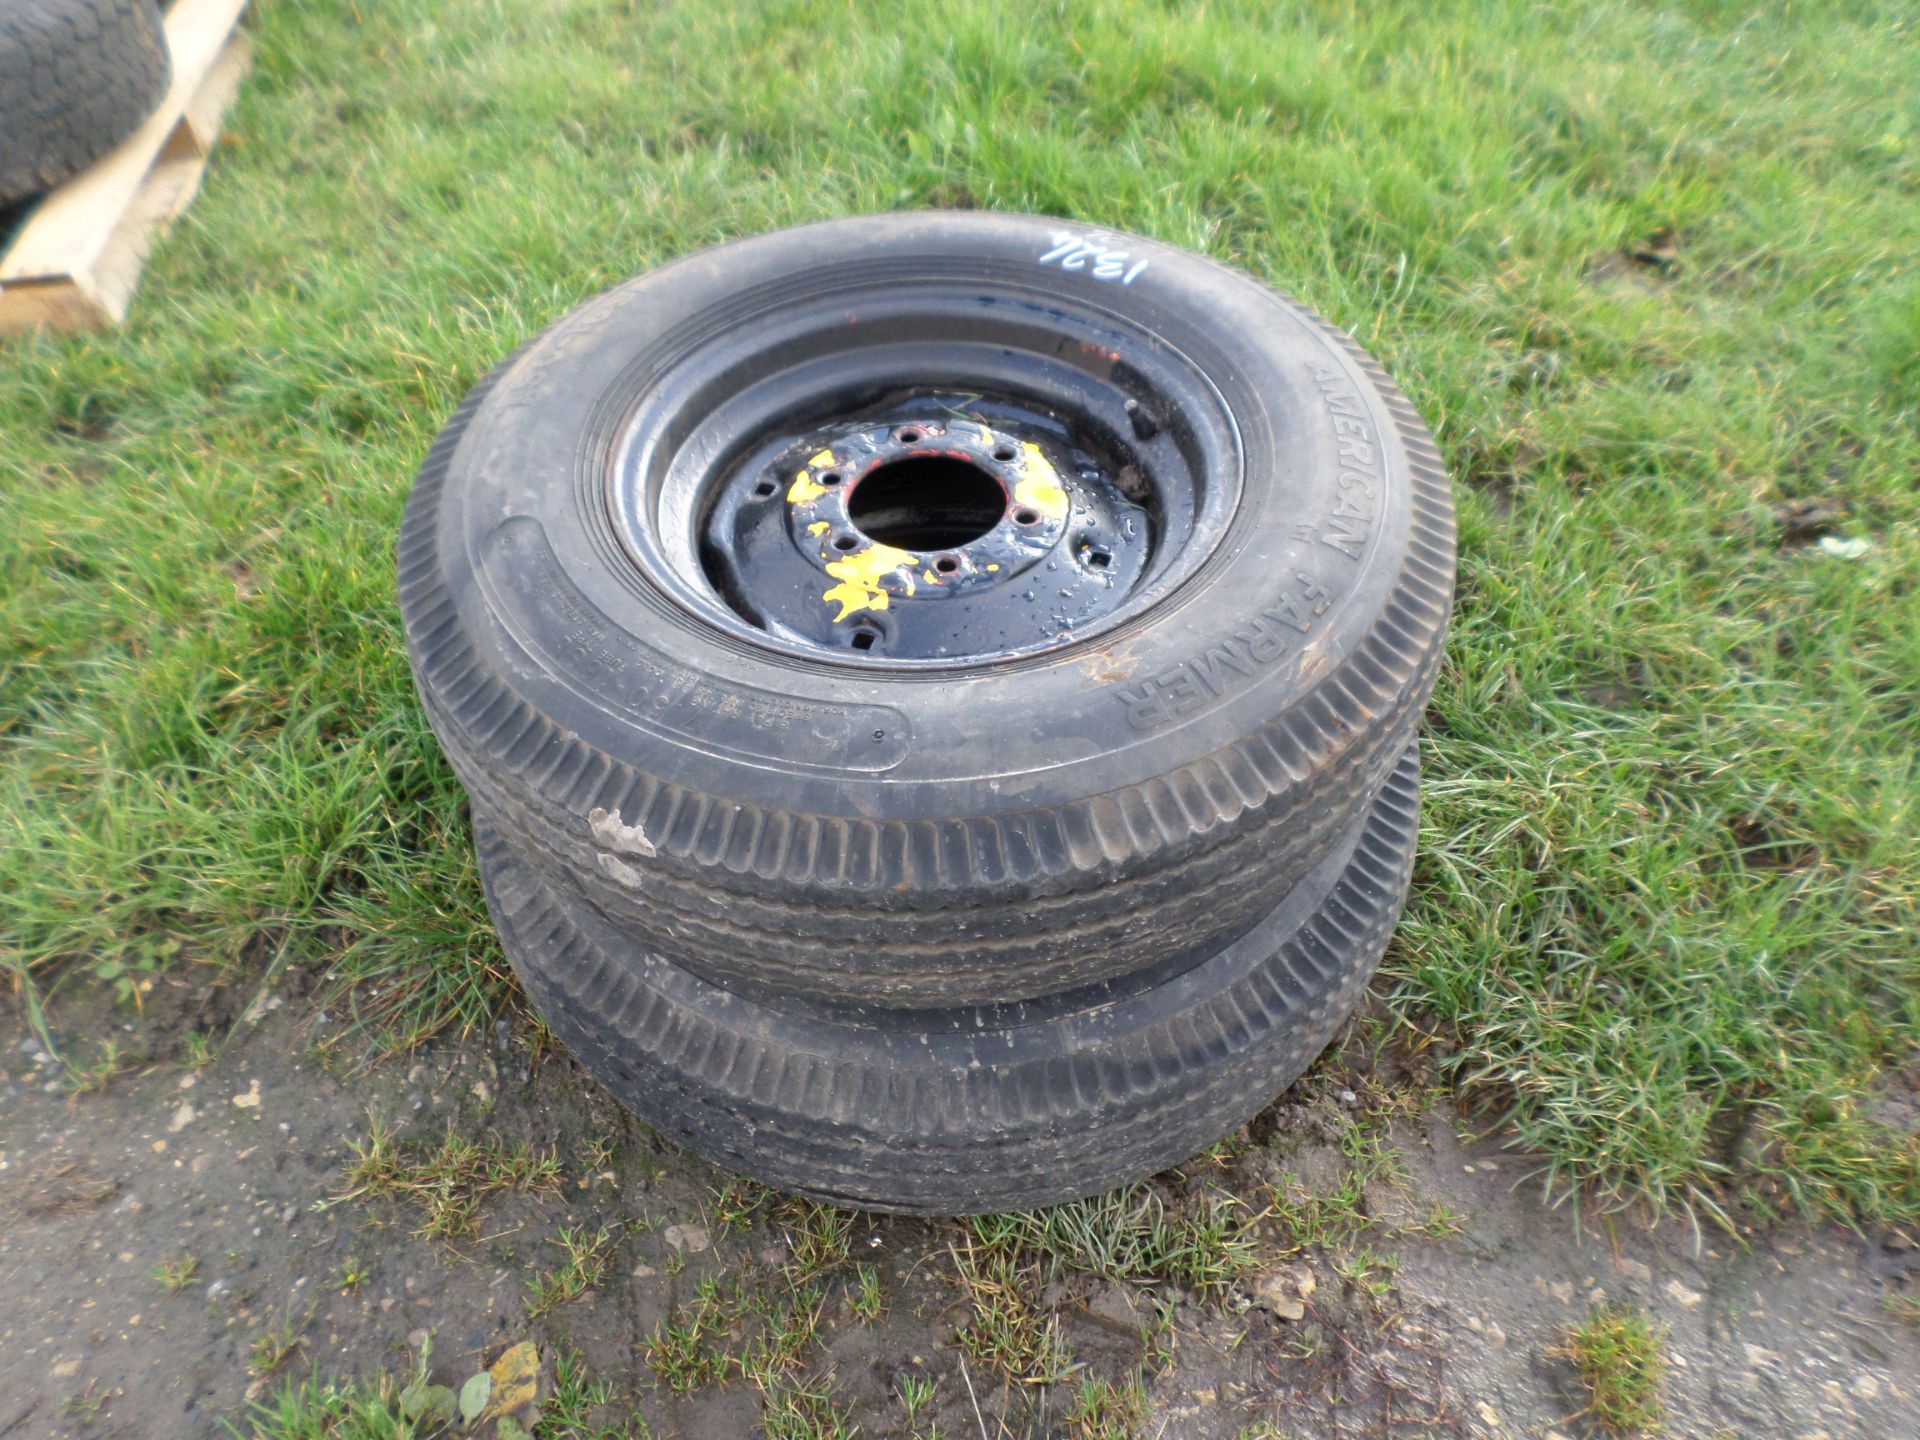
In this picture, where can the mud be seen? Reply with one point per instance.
(240, 1165)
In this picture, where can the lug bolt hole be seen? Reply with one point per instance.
(863, 640)
(832, 477)
(765, 488)
(946, 565)
(845, 542)
(908, 435)
(1099, 559)
(1004, 452)
(1024, 516)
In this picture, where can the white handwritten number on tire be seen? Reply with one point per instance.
(1076, 252)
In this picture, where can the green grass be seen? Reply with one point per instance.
(1102, 1410)
(445, 1183)
(1619, 1356)
(176, 1274)
(1132, 1235)
(584, 1263)
(576, 1407)
(1666, 898)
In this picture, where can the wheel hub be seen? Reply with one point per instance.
(946, 528)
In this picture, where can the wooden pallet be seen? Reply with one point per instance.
(75, 264)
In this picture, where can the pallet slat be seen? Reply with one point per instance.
(76, 262)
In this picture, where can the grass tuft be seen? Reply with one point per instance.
(585, 1264)
(444, 1184)
(176, 1274)
(1103, 1410)
(1619, 1356)
(1132, 1235)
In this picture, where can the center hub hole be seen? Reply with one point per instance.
(927, 502)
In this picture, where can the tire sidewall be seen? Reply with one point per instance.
(1299, 580)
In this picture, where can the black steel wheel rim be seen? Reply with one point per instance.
(922, 474)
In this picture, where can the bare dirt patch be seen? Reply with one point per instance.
(182, 1243)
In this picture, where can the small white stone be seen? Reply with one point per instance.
(690, 1239)
(182, 1118)
(249, 1098)
(1683, 1297)
(1284, 1291)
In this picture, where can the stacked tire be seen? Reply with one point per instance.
(938, 695)
(76, 78)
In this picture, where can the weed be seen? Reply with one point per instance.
(571, 1403)
(740, 1203)
(1128, 1235)
(585, 1264)
(1368, 1270)
(331, 1410)
(791, 1324)
(176, 1275)
(916, 1394)
(83, 1406)
(1336, 1219)
(444, 1184)
(792, 1411)
(95, 1075)
(352, 1274)
(688, 1349)
(1904, 1308)
(1131, 1235)
(1618, 1354)
(131, 975)
(272, 1349)
(818, 1237)
(1102, 1410)
(201, 1050)
(1007, 1331)
(598, 1159)
(1156, 1333)
(868, 1303)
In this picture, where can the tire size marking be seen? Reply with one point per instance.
(1234, 663)
(1349, 527)
(1073, 251)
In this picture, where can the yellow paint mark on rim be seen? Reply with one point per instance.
(818, 527)
(822, 461)
(805, 489)
(860, 574)
(1039, 486)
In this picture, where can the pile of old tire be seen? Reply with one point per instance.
(76, 78)
(938, 695)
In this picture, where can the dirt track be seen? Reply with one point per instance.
(235, 1165)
